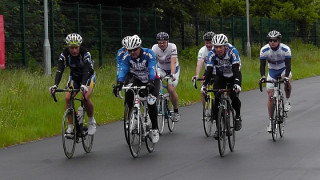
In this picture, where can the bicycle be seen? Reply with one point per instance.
(80, 125)
(164, 106)
(278, 114)
(225, 125)
(139, 126)
(207, 108)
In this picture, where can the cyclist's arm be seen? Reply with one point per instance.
(152, 65)
(263, 67)
(288, 66)
(60, 69)
(124, 68)
(87, 69)
(199, 67)
(237, 74)
(210, 65)
(173, 64)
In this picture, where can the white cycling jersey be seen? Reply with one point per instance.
(203, 56)
(164, 57)
(275, 58)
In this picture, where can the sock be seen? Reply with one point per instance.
(176, 111)
(91, 119)
(70, 126)
(287, 99)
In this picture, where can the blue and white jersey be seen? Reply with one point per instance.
(143, 67)
(275, 58)
(223, 65)
(120, 55)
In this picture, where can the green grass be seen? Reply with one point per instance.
(27, 111)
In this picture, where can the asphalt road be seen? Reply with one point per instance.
(187, 153)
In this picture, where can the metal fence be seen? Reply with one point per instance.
(103, 28)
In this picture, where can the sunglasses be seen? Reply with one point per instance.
(133, 50)
(273, 40)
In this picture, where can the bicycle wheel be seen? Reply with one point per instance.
(282, 117)
(126, 122)
(274, 116)
(134, 133)
(160, 115)
(87, 140)
(231, 124)
(170, 114)
(69, 139)
(148, 137)
(221, 125)
(206, 118)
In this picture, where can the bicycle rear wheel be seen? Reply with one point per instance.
(221, 125)
(206, 118)
(69, 139)
(170, 113)
(134, 134)
(231, 132)
(87, 140)
(160, 115)
(274, 116)
(126, 122)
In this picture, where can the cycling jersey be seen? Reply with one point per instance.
(203, 56)
(276, 58)
(143, 67)
(224, 64)
(81, 66)
(164, 56)
(120, 55)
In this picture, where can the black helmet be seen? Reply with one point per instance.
(208, 36)
(162, 36)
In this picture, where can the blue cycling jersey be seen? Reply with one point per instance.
(120, 55)
(143, 67)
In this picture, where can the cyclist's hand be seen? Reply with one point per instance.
(262, 79)
(194, 78)
(237, 88)
(173, 77)
(204, 89)
(53, 88)
(150, 86)
(286, 79)
(84, 88)
(117, 88)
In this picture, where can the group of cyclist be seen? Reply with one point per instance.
(143, 66)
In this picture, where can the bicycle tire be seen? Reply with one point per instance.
(161, 115)
(274, 126)
(207, 121)
(282, 116)
(170, 112)
(231, 125)
(126, 122)
(134, 133)
(87, 140)
(221, 122)
(69, 139)
(148, 138)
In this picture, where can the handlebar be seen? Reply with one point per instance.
(70, 90)
(194, 80)
(129, 86)
(272, 82)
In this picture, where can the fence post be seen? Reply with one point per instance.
(197, 32)
(139, 22)
(23, 32)
(243, 34)
(100, 36)
(232, 30)
(261, 40)
(221, 24)
(182, 36)
(52, 32)
(315, 33)
(155, 21)
(120, 14)
(78, 18)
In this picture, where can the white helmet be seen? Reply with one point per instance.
(274, 34)
(134, 42)
(219, 40)
(125, 42)
(74, 39)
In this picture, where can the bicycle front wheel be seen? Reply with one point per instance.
(221, 126)
(206, 118)
(69, 138)
(274, 116)
(161, 115)
(170, 114)
(231, 132)
(282, 116)
(126, 122)
(134, 133)
(87, 140)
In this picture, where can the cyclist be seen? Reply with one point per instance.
(141, 62)
(225, 58)
(278, 56)
(81, 76)
(203, 57)
(168, 63)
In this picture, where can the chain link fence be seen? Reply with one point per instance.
(103, 28)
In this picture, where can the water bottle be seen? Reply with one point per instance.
(80, 115)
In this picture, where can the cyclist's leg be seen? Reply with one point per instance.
(89, 105)
(172, 85)
(219, 83)
(270, 90)
(156, 87)
(71, 83)
(236, 104)
(287, 90)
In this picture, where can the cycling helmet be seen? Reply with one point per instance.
(274, 34)
(134, 42)
(74, 39)
(162, 36)
(208, 36)
(219, 40)
(125, 41)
